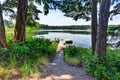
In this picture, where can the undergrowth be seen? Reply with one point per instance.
(102, 68)
(25, 59)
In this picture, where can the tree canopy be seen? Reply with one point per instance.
(76, 9)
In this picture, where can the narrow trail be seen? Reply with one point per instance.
(59, 70)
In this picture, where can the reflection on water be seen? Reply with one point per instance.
(82, 40)
(64, 31)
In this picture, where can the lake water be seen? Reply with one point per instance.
(80, 37)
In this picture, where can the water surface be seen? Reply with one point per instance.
(79, 39)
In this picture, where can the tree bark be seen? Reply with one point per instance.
(102, 29)
(94, 25)
(20, 28)
(2, 31)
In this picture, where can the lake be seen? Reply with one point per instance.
(80, 38)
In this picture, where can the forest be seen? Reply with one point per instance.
(82, 27)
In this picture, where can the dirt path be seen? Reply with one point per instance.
(59, 70)
(62, 71)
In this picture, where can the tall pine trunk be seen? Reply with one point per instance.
(20, 28)
(102, 29)
(2, 30)
(94, 24)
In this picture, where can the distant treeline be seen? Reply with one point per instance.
(82, 27)
(114, 27)
(114, 30)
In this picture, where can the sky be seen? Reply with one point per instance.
(56, 17)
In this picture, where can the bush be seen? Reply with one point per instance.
(103, 68)
(97, 67)
(26, 57)
(76, 55)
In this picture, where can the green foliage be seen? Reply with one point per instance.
(75, 55)
(76, 9)
(96, 66)
(32, 14)
(28, 68)
(71, 51)
(9, 35)
(102, 68)
(113, 30)
(30, 30)
(33, 11)
(26, 56)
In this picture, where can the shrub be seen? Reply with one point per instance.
(76, 55)
(107, 68)
(26, 57)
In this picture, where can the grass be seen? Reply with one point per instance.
(73, 61)
(9, 35)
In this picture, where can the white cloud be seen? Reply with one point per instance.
(115, 21)
(58, 18)
(2, 1)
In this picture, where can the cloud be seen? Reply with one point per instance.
(115, 21)
(58, 18)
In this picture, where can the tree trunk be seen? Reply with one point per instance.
(2, 30)
(94, 24)
(102, 29)
(20, 28)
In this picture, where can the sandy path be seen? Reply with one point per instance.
(59, 70)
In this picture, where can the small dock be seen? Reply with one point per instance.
(59, 53)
